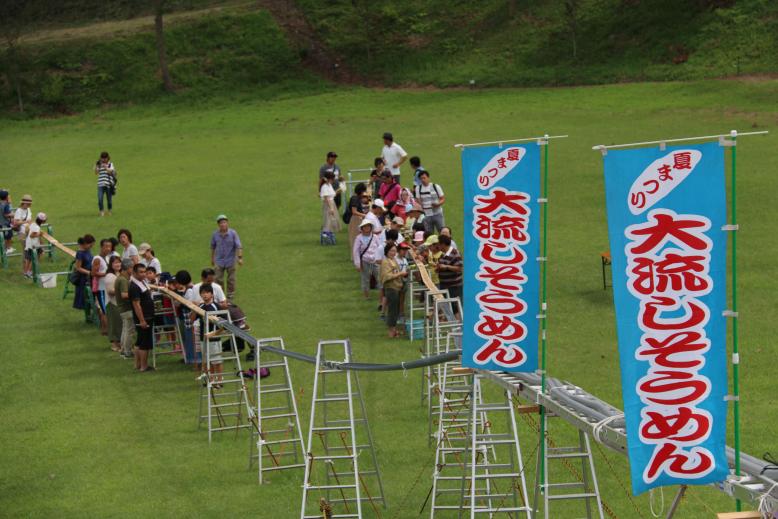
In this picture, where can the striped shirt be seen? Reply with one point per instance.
(105, 173)
(450, 278)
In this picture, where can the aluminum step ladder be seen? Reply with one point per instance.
(276, 441)
(341, 469)
(444, 325)
(584, 488)
(497, 485)
(224, 403)
(416, 315)
(166, 335)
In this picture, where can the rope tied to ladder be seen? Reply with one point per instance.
(764, 507)
(599, 426)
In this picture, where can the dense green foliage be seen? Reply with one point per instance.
(520, 42)
(85, 436)
(224, 53)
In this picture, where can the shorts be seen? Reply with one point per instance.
(8, 235)
(215, 352)
(145, 339)
(100, 300)
(28, 253)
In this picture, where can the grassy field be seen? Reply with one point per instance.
(85, 436)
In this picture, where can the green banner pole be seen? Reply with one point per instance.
(735, 355)
(543, 310)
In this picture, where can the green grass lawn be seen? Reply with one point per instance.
(83, 435)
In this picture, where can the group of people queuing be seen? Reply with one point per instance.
(390, 226)
(24, 225)
(121, 281)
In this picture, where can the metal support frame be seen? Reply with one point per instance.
(166, 334)
(276, 442)
(337, 409)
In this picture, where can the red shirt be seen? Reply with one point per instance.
(390, 192)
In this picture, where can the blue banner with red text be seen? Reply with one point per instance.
(666, 213)
(502, 235)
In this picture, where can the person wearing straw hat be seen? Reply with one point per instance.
(226, 253)
(22, 218)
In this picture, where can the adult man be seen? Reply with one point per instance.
(449, 267)
(432, 199)
(417, 169)
(390, 190)
(6, 220)
(143, 308)
(122, 291)
(394, 155)
(330, 167)
(226, 249)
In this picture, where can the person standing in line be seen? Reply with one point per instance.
(143, 309)
(417, 169)
(449, 267)
(363, 255)
(147, 257)
(392, 279)
(83, 266)
(432, 198)
(379, 166)
(22, 218)
(330, 223)
(99, 270)
(394, 155)
(357, 209)
(130, 250)
(226, 253)
(111, 305)
(330, 167)
(106, 181)
(32, 243)
(390, 190)
(7, 220)
(121, 289)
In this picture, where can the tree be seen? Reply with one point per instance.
(14, 17)
(159, 7)
(571, 15)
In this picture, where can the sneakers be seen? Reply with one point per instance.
(10, 250)
(126, 356)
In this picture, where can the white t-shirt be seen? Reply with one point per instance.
(130, 251)
(193, 294)
(32, 243)
(326, 191)
(24, 216)
(380, 234)
(153, 263)
(109, 281)
(392, 155)
(429, 195)
(102, 268)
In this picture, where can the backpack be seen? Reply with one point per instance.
(347, 214)
(417, 191)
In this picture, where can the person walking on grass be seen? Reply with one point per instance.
(111, 303)
(330, 223)
(143, 310)
(432, 198)
(106, 182)
(121, 289)
(130, 250)
(392, 279)
(226, 253)
(394, 155)
(417, 169)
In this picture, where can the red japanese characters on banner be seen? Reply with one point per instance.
(668, 262)
(501, 220)
(660, 178)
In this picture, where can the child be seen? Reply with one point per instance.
(32, 243)
(214, 346)
(151, 275)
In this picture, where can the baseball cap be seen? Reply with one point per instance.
(419, 236)
(221, 217)
(388, 136)
(27, 198)
(366, 222)
(403, 245)
(331, 154)
(379, 203)
(41, 216)
(432, 240)
(143, 248)
(398, 220)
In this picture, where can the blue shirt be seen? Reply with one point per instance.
(6, 214)
(416, 179)
(225, 247)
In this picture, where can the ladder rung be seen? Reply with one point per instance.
(272, 364)
(335, 516)
(573, 496)
(332, 399)
(272, 416)
(571, 484)
(276, 442)
(336, 428)
(335, 457)
(497, 476)
(330, 487)
(568, 455)
(282, 467)
(229, 428)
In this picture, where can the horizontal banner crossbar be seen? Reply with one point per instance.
(733, 133)
(506, 141)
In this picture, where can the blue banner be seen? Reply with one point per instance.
(666, 210)
(502, 233)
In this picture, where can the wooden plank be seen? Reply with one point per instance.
(51, 239)
(462, 371)
(425, 276)
(739, 515)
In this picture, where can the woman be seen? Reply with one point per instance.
(83, 266)
(111, 307)
(404, 205)
(106, 181)
(147, 257)
(130, 250)
(358, 206)
(392, 278)
(329, 212)
(99, 270)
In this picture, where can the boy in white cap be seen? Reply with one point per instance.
(32, 243)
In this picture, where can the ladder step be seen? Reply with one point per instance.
(573, 496)
(229, 428)
(330, 487)
(277, 442)
(332, 399)
(334, 516)
(567, 485)
(279, 390)
(272, 416)
(272, 364)
(497, 476)
(568, 455)
(282, 467)
(335, 457)
(336, 428)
